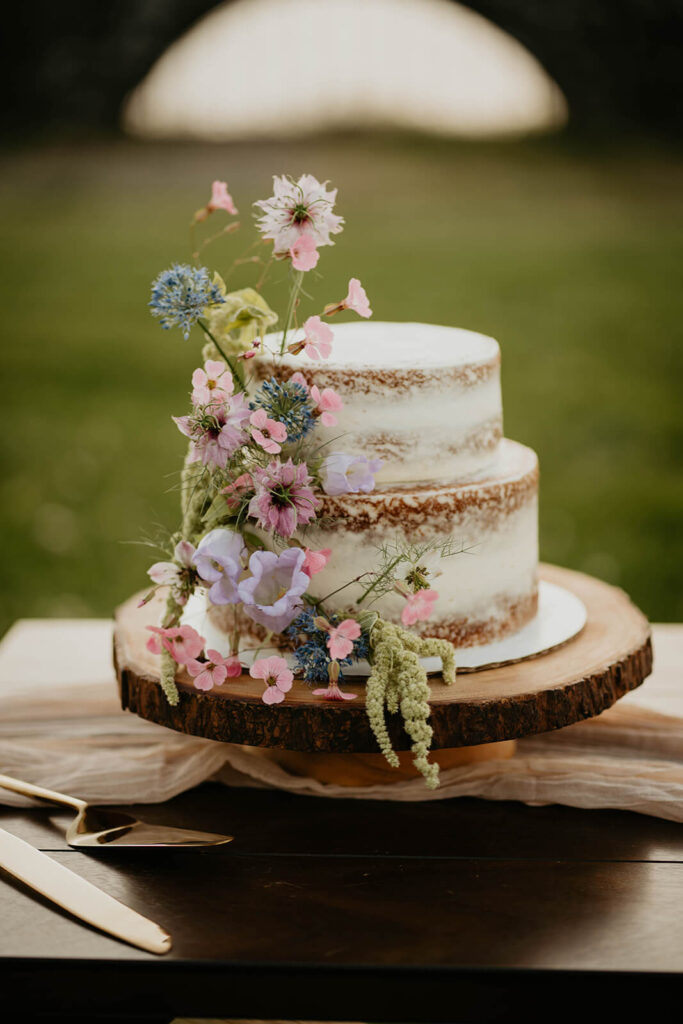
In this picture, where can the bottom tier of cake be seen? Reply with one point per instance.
(481, 541)
(487, 580)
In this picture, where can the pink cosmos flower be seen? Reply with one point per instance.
(283, 499)
(183, 643)
(332, 692)
(418, 607)
(213, 384)
(356, 300)
(340, 640)
(328, 402)
(317, 342)
(304, 253)
(221, 199)
(267, 433)
(214, 672)
(215, 431)
(315, 561)
(296, 208)
(298, 378)
(276, 675)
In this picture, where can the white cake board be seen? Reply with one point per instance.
(561, 615)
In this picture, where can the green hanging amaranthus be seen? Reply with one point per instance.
(192, 501)
(398, 683)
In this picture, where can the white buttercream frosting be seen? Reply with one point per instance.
(424, 398)
(493, 519)
(373, 344)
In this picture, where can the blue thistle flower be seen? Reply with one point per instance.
(181, 294)
(312, 655)
(287, 402)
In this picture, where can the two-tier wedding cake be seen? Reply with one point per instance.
(349, 503)
(447, 477)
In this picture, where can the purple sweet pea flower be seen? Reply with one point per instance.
(218, 561)
(348, 474)
(272, 594)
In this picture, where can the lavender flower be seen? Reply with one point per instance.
(218, 559)
(348, 474)
(181, 295)
(272, 594)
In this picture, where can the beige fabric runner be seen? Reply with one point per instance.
(61, 726)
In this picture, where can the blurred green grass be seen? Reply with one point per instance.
(570, 257)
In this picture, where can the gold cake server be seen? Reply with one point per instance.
(100, 827)
(80, 897)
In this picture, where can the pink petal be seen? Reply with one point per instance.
(315, 561)
(284, 680)
(204, 681)
(272, 695)
(329, 399)
(214, 368)
(163, 572)
(339, 647)
(221, 198)
(350, 629)
(219, 674)
(277, 430)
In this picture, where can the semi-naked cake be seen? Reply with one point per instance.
(352, 519)
(426, 400)
(351, 513)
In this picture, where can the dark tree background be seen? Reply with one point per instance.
(68, 66)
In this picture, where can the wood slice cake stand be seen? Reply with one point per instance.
(477, 718)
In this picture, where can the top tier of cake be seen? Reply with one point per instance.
(425, 399)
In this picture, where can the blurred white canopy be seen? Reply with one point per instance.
(255, 68)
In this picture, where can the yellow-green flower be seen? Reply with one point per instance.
(242, 317)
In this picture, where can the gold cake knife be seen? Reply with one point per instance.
(80, 897)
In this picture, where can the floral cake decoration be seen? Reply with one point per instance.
(254, 481)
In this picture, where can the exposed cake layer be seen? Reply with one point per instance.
(424, 398)
(487, 591)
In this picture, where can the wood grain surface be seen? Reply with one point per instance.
(610, 656)
(354, 910)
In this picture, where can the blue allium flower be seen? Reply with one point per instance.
(312, 655)
(180, 296)
(289, 404)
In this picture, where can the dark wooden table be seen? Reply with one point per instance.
(460, 910)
